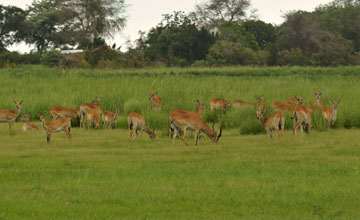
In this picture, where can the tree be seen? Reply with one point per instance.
(264, 33)
(236, 33)
(215, 12)
(47, 25)
(12, 25)
(93, 19)
(177, 40)
(341, 17)
(300, 31)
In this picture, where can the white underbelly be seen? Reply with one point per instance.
(57, 130)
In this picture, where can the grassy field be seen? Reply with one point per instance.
(41, 88)
(104, 175)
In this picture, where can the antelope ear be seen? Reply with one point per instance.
(332, 101)
(339, 101)
(21, 101)
(320, 93)
(14, 102)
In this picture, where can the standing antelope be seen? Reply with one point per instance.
(84, 108)
(136, 123)
(28, 125)
(199, 106)
(110, 117)
(318, 101)
(61, 124)
(64, 112)
(183, 122)
(329, 114)
(302, 117)
(221, 104)
(156, 101)
(276, 121)
(10, 115)
(93, 117)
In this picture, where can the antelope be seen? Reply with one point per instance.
(199, 107)
(61, 124)
(317, 105)
(136, 123)
(28, 125)
(276, 121)
(110, 117)
(64, 112)
(156, 101)
(287, 106)
(183, 122)
(10, 115)
(240, 103)
(302, 117)
(93, 117)
(329, 114)
(217, 103)
(84, 108)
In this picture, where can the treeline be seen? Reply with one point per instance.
(216, 33)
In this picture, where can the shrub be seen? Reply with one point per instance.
(52, 58)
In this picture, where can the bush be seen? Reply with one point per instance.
(52, 58)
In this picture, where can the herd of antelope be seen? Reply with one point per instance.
(180, 120)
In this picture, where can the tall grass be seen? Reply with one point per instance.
(41, 88)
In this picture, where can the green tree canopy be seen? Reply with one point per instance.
(177, 37)
(12, 25)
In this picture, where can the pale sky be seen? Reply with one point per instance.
(145, 14)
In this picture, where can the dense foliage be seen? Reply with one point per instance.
(216, 33)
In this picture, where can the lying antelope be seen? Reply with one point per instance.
(84, 108)
(183, 122)
(61, 124)
(10, 115)
(28, 125)
(276, 121)
(302, 117)
(156, 101)
(93, 117)
(199, 107)
(219, 104)
(64, 112)
(240, 103)
(329, 114)
(136, 123)
(110, 117)
(287, 106)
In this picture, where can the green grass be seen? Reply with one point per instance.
(41, 88)
(102, 174)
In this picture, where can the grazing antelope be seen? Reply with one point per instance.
(136, 123)
(84, 108)
(10, 115)
(276, 121)
(329, 114)
(156, 101)
(240, 103)
(28, 125)
(64, 112)
(183, 122)
(221, 104)
(61, 124)
(302, 117)
(93, 117)
(110, 117)
(199, 107)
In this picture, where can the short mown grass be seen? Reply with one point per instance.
(103, 174)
